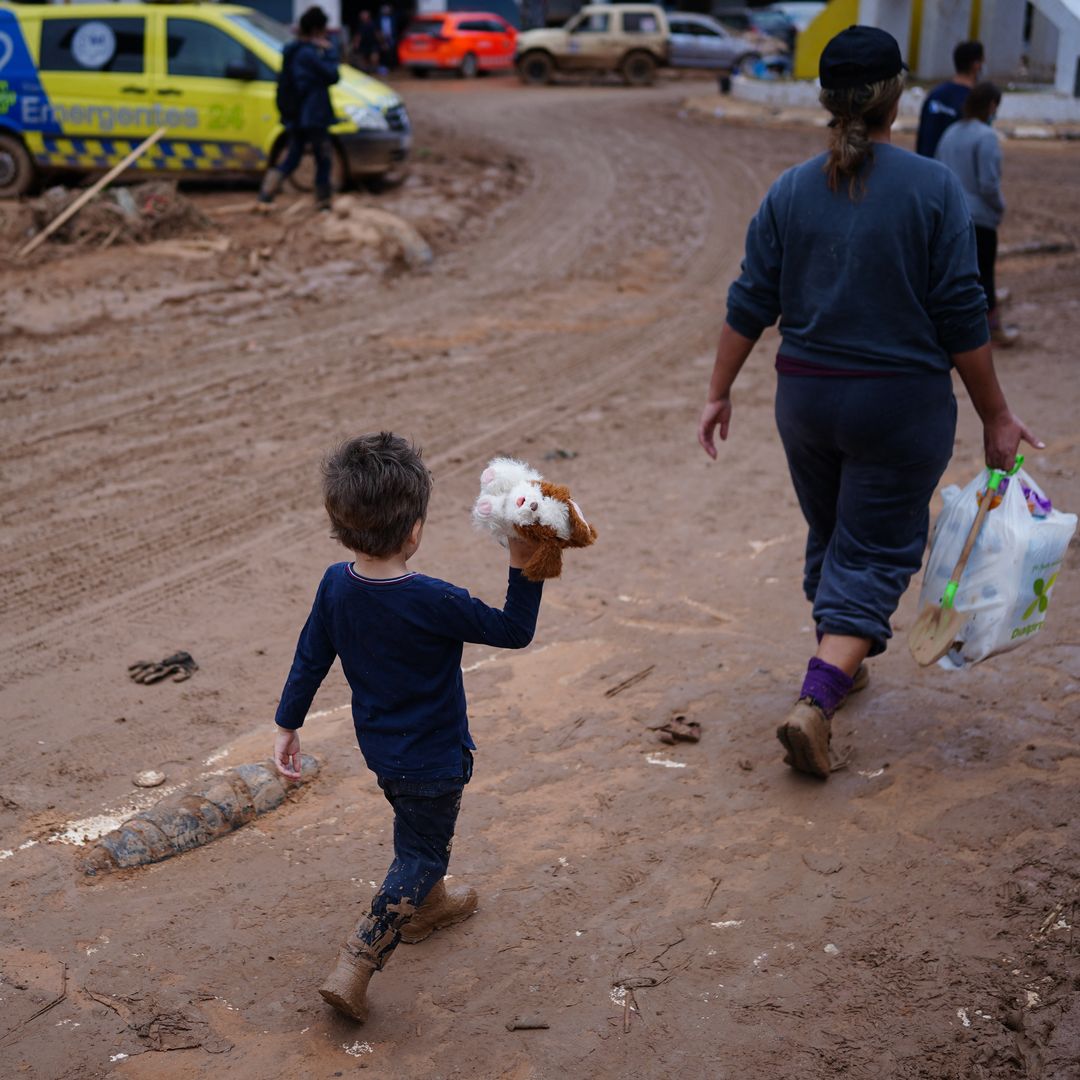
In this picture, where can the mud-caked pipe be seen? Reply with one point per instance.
(195, 816)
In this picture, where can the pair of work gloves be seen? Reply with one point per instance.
(180, 666)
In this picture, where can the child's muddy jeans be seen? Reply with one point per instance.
(425, 814)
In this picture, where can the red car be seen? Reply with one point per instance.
(467, 42)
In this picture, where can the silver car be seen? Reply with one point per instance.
(698, 41)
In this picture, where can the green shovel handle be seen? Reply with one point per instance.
(948, 598)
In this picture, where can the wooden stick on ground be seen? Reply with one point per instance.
(44, 1008)
(89, 193)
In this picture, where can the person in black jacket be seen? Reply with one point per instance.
(309, 67)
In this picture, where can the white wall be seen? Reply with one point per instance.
(945, 23)
(1001, 30)
(1042, 47)
(891, 15)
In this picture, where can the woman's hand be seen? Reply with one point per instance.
(1001, 439)
(715, 414)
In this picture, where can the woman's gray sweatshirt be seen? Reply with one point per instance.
(972, 151)
(885, 282)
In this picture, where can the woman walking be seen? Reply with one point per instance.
(972, 151)
(866, 254)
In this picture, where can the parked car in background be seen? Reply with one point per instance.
(467, 42)
(801, 12)
(758, 27)
(631, 39)
(698, 41)
(775, 23)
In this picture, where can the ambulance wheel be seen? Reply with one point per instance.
(304, 177)
(17, 172)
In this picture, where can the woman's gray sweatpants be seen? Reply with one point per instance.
(865, 455)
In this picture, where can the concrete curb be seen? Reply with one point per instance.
(796, 102)
(1018, 107)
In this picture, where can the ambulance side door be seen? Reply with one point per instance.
(93, 71)
(222, 94)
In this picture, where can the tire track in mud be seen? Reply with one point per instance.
(578, 224)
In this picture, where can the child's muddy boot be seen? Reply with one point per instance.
(441, 908)
(805, 735)
(365, 951)
(346, 986)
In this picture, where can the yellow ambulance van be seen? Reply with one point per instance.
(82, 85)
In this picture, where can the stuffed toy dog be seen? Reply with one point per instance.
(515, 499)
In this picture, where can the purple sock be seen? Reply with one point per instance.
(825, 685)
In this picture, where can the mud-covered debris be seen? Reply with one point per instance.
(163, 1020)
(195, 816)
(527, 1022)
(679, 729)
(136, 214)
(363, 226)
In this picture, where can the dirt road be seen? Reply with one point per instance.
(696, 912)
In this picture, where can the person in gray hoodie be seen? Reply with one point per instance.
(972, 151)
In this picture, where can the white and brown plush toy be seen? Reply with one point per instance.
(516, 500)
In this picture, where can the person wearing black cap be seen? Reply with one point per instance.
(866, 254)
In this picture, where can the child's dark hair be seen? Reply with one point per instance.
(375, 488)
(981, 101)
(313, 21)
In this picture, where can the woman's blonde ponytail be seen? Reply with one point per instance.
(856, 111)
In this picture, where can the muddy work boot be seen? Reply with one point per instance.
(440, 909)
(346, 986)
(271, 185)
(805, 735)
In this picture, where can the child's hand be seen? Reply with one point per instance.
(287, 753)
(521, 551)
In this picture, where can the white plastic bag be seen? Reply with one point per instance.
(1007, 584)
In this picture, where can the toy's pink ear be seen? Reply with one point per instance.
(487, 476)
(483, 507)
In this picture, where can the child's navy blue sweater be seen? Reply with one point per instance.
(400, 641)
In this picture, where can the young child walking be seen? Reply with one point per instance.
(399, 637)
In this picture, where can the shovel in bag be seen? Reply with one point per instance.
(937, 626)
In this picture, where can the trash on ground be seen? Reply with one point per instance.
(679, 729)
(150, 778)
(180, 665)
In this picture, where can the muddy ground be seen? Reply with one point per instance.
(695, 911)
